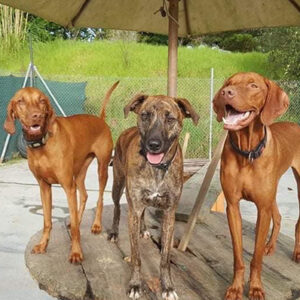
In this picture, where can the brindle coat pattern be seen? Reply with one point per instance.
(146, 185)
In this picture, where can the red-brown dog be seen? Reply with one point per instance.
(59, 150)
(255, 156)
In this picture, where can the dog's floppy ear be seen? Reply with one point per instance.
(187, 110)
(135, 104)
(9, 124)
(51, 115)
(218, 106)
(277, 102)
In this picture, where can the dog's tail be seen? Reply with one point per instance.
(106, 99)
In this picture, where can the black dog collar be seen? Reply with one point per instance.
(37, 143)
(253, 154)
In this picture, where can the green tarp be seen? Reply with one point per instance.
(70, 96)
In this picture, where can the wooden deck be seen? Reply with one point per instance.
(202, 272)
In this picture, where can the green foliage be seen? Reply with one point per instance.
(152, 38)
(243, 41)
(285, 59)
(240, 42)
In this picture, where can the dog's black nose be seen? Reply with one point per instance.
(154, 144)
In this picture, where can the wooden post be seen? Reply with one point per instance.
(202, 193)
(172, 48)
(185, 144)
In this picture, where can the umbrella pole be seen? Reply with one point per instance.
(172, 48)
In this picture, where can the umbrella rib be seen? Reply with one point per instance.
(295, 4)
(186, 15)
(83, 6)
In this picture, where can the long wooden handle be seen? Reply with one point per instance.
(202, 193)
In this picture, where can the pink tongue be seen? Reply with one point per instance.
(155, 158)
(232, 118)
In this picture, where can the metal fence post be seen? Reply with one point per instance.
(211, 111)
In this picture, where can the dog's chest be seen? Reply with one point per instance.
(42, 169)
(158, 192)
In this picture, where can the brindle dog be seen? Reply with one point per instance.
(148, 161)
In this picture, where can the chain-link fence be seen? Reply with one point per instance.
(197, 91)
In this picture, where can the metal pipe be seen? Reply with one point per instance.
(211, 110)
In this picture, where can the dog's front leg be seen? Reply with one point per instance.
(256, 291)
(235, 291)
(76, 252)
(134, 220)
(46, 197)
(168, 292)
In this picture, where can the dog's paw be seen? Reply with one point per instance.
(39, 249)
(134, 292)
(296, 256)
(75, 257)
(169, 294)
(234, 292)
(146, 235)
(256, 293)
(96, 229)
(270, 249)
(113, 237)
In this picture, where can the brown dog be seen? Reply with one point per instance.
(148, 161)
(60, 149)
(255, 156)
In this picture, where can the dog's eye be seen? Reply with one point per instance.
(145, 116)
(20, 102)
(170, 119)
(43, 101)
(253, 85)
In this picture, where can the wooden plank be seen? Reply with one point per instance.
(52, 270)
(189, 194)
(148, 253)
(280, 262)
(202, 193)
(279, 274)
(103, 263)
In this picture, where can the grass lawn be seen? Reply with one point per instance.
(124, 59)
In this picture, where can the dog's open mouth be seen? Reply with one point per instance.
(234, 117)
(33, 129)
(155, 158)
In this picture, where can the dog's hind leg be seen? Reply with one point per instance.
(296, 254)
(102, 177)
(81, 187)
(117, 191)
(276, 219)
(143, 231)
